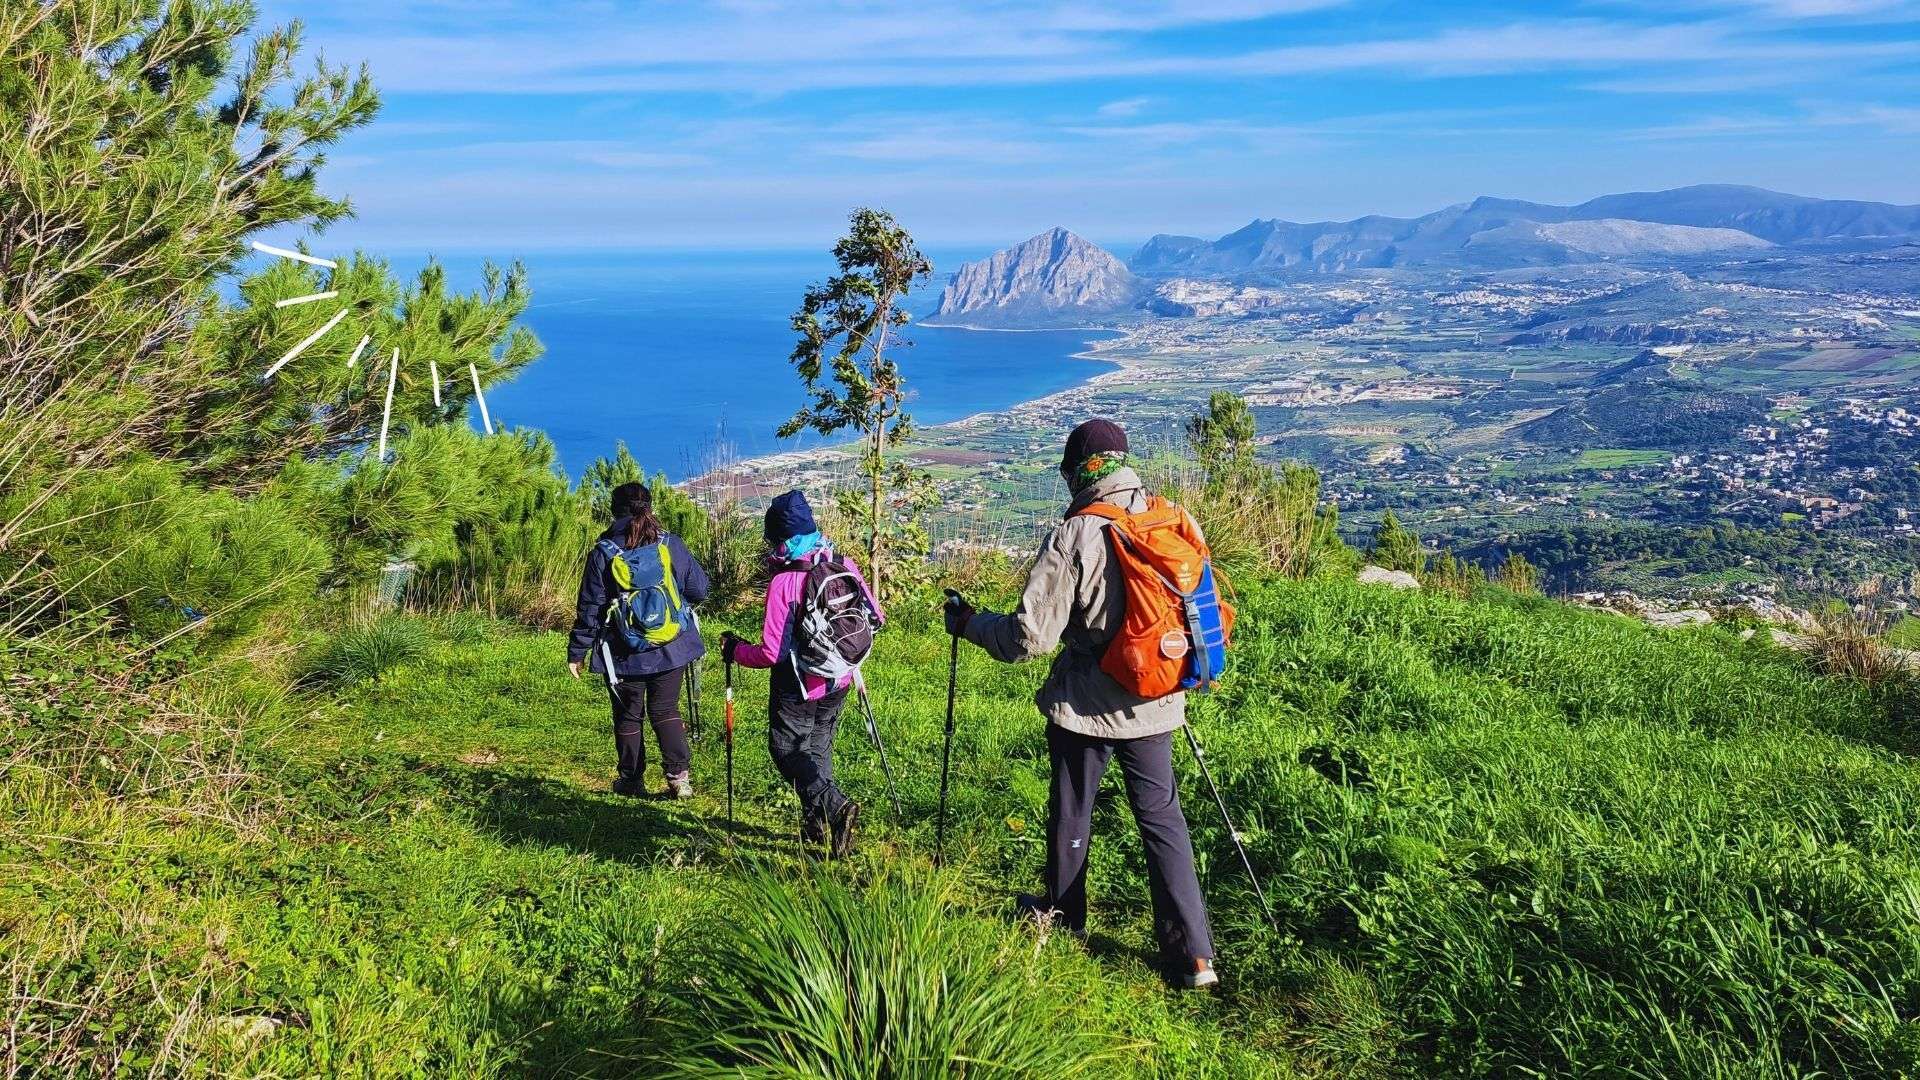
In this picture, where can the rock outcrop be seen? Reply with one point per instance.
(1055, 278)
(1392, 579)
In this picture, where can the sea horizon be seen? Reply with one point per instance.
(685, 356)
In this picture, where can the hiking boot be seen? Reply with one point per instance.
(680, 787)
(813, 830)
(1202, 977)
(843, 825)
(630, 786)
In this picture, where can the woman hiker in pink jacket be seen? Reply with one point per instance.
(803, 709)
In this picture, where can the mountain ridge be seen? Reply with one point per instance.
(1445, 236)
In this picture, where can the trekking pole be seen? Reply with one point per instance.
(728, 666)
(946, 748)
(873, 733)
(693, 702)
(693, 686)
(1201, 757)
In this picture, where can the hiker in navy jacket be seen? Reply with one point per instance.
(649, 678)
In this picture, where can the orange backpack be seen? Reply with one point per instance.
(1175, 633)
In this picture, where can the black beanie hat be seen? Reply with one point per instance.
(1090, 438)
(789, 516)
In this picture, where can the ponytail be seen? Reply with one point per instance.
(635, 503)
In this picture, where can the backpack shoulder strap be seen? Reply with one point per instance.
(617, 567)
(666, 573)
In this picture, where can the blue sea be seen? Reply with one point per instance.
(683, 354)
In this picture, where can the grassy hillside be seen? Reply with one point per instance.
(1502, 837)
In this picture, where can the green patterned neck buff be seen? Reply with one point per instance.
(1098, 467)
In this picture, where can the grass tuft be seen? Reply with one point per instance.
(369, 650)
(1843, 645)
(816, 977)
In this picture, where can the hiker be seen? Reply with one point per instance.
(634, 624)
(810, 677)
(1075, 596)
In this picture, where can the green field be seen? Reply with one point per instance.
(1621, 459)
(1584, 461)
(1501, 837)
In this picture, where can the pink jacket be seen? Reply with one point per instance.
(783, 597)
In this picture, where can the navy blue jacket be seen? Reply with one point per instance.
(596, 591)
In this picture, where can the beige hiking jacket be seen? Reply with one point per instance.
(1074, 598)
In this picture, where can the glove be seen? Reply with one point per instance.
(729, 644)
(958, 613)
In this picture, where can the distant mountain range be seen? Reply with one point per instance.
(1490, 232)
(1058, 276)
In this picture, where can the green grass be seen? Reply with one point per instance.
(1621, 459)
(1584, 461)
(1560, 844)
(1904, 634)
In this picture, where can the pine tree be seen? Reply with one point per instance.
(1223, 438)
(1397, 548)
(1257, 515)
(598, 480)
(141, 146)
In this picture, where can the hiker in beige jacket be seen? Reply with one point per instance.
(1074, 601)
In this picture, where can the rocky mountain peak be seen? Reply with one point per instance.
(1049, 277)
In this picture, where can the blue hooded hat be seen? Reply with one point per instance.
(789, 516)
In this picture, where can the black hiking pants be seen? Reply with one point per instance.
(1079, 761)
(800, 737)
(650, 699)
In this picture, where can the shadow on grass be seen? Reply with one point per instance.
(523, 808)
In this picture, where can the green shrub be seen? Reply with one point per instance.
(814, 977)
(369, 650)
(1454, 576)
(141, 544)
(1258, 518)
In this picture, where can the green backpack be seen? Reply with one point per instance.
(646, 611)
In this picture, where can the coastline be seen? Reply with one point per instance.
(748, 472)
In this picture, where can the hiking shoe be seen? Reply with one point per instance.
(1202, 977)
(843, 825)
(680, 787)
(813, 830)
(631, 786)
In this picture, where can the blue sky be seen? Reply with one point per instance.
(512, 126)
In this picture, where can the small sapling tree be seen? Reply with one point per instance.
(846, 327)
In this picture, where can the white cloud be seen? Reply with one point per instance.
(1708, 83)
(1123, 108)
(987, 47)
(1889, 120)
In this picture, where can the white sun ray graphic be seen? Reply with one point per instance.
(393, 368)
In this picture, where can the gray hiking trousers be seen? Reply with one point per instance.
(1079, 761)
